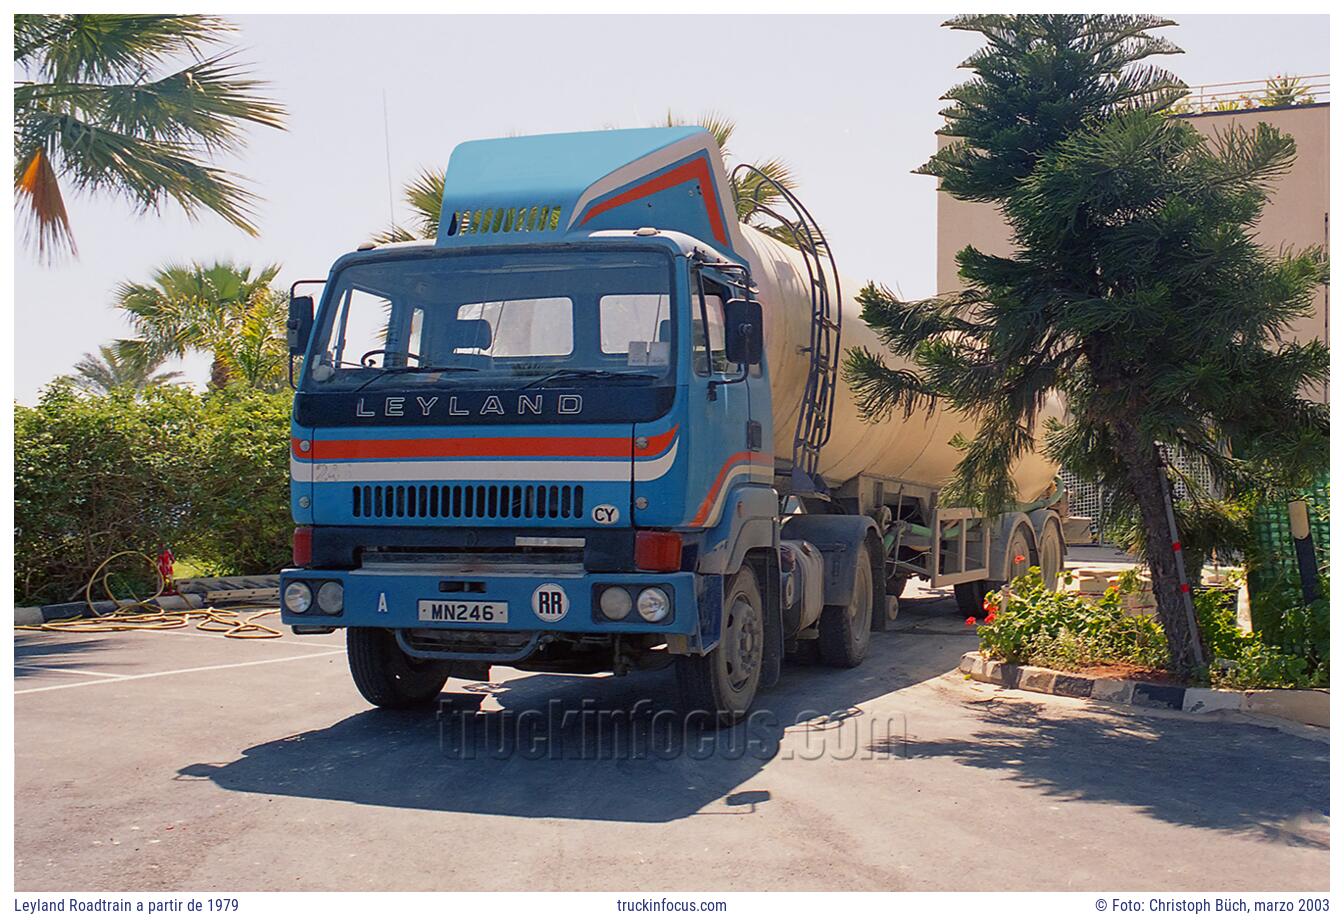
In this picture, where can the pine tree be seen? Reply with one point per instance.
(1137, 290)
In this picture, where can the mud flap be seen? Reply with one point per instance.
(773, 653)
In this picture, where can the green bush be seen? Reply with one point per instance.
(206, 475)
(1301, 657)
(1031, 624)
(240, 512)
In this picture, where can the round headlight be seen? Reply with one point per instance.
(653, 604)
(298, 597)
(615, 603)
(331, 597)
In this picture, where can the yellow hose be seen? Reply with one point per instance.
(147, 614)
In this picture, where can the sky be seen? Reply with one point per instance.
(850, 102)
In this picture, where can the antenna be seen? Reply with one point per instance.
(387, 147)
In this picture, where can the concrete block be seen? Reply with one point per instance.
(28, 616)
(1000, 672)
(1310, 707)
(1110, 690)
(1091, 583)
(1073, 685)
(969, 662)
(1204, 699)
(1042, 680)
(1158, 696)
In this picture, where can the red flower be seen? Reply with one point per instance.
(1019, 559)
(991, 617)
(970, 621)
(991, 609)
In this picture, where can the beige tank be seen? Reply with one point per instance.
(913, 449)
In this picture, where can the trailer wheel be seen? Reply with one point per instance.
(386, 676)
(1051, 553)
(971, 597)
(723, 683)
(843, 633)
(896, 585)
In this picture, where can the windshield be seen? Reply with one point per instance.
(525, 317)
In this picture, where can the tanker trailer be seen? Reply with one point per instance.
(596, 426)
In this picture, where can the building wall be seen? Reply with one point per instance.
(1297, 216)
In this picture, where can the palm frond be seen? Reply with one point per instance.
(38, 190)
(109, 46)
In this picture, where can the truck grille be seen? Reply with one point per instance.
(479, 502)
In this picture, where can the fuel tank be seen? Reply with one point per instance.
(914, 449)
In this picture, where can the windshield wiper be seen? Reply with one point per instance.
(416, 369)
(575, 373)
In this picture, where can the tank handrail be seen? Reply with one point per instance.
(813, 428)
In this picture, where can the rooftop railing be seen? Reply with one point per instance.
(1274, 92)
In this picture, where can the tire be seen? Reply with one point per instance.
(386, 676)
(896, 585)
(1051, 553)
(1019, 547)
(723, 683)
(971, 597)
(844, 632)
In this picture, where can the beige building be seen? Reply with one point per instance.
(1296, 217)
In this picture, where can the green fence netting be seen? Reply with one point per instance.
(1274, 570)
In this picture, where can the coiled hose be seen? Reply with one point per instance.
(146, 613)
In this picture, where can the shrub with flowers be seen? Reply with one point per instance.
(1031, 624)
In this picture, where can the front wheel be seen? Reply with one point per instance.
(386, 676)
(724, 682)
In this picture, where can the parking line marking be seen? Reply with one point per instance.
(210, 634)
(51, 667)
(210, 667)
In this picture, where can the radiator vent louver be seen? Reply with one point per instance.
(473, 502)
(527, 219)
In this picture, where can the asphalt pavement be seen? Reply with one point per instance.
(183, 760)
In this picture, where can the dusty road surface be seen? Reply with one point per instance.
(182, 760)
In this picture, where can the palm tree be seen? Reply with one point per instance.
(257, 355)
(99, 114)
(117, 369)
(756, 190)
(424, 196)
(200, 308)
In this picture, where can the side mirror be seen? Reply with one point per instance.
(743, 336)
(300, 326)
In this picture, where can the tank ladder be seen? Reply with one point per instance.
(757, 192)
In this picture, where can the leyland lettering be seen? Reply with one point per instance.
(457, 407)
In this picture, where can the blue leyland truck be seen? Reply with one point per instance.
(597, 425)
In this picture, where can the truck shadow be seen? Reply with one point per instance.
(594, 748)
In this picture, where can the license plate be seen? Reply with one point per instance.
(464, 611)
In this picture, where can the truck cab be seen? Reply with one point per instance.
(543, 440)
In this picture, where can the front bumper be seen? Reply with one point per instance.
(392, 599)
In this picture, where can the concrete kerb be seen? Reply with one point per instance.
(193, 594)
(36, 616)
(1309, 707)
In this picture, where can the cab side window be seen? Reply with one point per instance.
(710, 355)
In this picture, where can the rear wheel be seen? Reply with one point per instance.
(386, 676)
(724, 682)
(843, 632)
